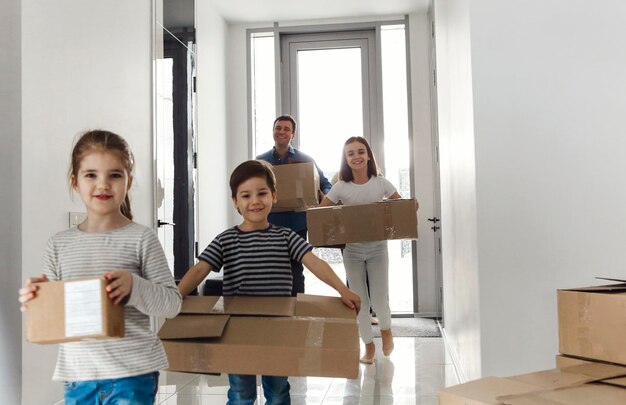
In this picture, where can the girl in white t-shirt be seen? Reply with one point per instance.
(360, 182)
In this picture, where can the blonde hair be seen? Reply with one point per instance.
(101, 141)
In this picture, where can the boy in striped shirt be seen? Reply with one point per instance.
(256, 257)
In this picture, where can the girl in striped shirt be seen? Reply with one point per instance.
(108, 243)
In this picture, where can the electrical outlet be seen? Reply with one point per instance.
(76, 218)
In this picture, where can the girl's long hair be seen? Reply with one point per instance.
(103, 141)
(345, 173)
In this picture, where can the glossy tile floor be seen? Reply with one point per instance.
(413, 374)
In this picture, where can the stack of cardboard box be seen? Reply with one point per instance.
(591, 368)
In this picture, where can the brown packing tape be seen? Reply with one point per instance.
(221, 305)
(332, 228)
(585, 334)
(300, 190)
(338, 225)
(312, 361)
(388, 221)
(314, 340)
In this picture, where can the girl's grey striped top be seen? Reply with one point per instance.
(135, 248)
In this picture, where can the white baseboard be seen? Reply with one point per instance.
(458, 370)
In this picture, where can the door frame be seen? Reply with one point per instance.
(370, 40)
(291, 44)
(183, 216)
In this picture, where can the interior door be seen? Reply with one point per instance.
(175, 151)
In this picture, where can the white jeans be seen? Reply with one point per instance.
(371, 260)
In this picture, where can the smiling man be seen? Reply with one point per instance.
(283, 153)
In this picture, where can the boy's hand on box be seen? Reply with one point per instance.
(120, 285)
(351, 300)
(29, 291)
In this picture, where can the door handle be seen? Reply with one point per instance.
(161, 223)
(434, 219)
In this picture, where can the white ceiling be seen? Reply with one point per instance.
(180, 12)
(291, 10)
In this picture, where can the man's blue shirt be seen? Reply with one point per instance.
(293, 220)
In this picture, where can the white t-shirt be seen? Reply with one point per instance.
(376, 189)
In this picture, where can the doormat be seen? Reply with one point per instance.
(412, 327)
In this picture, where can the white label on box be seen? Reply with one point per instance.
(83, 308)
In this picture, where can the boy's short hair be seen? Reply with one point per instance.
(250, 169)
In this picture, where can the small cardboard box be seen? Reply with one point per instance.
(304, 336)
(297, 187)
(591, 383)
(592, 322)
(73, 310)
(385, 220)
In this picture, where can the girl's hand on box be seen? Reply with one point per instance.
(29, 291)
(120, 285)
(351, 300)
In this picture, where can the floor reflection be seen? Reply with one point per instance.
(413, 374)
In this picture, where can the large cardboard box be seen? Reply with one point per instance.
(304, 336)
(563, 361)
(73, 310)
(592, 383)
(297, 187)
(385, 220)
(592, 322)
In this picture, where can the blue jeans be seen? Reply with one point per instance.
(242, 390)
(138, 390)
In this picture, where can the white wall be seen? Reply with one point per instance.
(10, 183)
(420, 76)
(85, 64)
(549, 105)
(458, 186)
(213, 132)
(549, 99)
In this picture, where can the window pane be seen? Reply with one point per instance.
(330, 103)
(263, 92)
(330, 111)
(397, 149)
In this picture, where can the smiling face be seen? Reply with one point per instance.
(356, 156)
(254, 200)
(283, 134)
(102, 183)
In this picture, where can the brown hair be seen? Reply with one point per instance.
(101, 141)
(248, 170)
(286, 117)
(345, 173)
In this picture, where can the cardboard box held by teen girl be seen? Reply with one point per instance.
(73, 310)
(297, 187)
(304, 336)
(339, 224)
